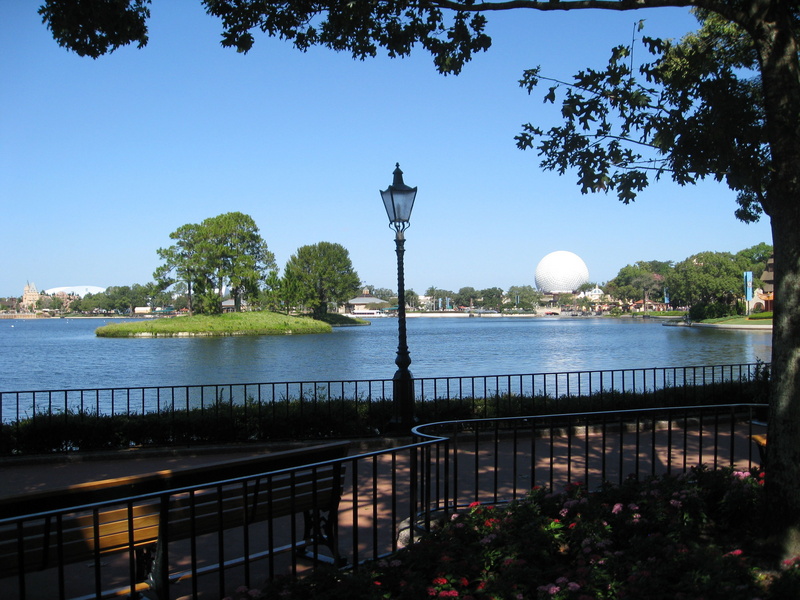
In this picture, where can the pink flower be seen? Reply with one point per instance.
(617, 508)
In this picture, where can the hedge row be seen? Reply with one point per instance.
(225, 422)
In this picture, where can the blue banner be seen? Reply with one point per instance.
(748, 285)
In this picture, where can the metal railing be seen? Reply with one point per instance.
(269, 398)
(390, 496)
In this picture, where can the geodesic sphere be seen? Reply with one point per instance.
(561, 272)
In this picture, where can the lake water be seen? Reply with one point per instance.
(44, 354)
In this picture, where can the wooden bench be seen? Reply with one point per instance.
(761, 441)
(143, 514)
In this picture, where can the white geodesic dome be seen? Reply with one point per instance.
(561, 272)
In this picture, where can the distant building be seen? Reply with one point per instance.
(366, 303)
(229, 305)
(30, 296)
(595, 294)
(767, 294)
(75, 290)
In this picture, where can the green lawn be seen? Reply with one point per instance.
(738, 321)
(249, 323)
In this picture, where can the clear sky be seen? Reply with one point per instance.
(101, 159)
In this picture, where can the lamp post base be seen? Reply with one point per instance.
(403, 393)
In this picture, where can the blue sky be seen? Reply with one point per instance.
(101, 159)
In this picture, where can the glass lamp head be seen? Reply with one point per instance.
(398, 200)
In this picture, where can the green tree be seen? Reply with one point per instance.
(182, 261)
(324, 274)
(289, 290)
(222, 252)
(492, 298)
(584, 303)
(466, 296)
(524, 297)
(755, 259)
(706, 118)
(125, 298)
(709, 282)
(637, 281)
(412, 298)
(384, 293)
(271, 293)
(440, 298)
(235, 255)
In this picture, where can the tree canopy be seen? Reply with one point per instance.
(643, 278)
(524, 297)
(222, 252)
(709, 282)
(322, 274)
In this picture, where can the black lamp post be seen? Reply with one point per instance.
(399, 200)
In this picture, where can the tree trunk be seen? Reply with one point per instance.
(772, 31)
(783, 449)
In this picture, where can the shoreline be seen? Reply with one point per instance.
(668, 321)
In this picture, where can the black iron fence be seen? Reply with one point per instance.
(387, 497)
(266, 398)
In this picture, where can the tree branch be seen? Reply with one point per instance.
(553, 5)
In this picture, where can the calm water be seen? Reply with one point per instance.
(65, 354)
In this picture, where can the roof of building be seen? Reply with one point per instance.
(367, 300)
(76, 290)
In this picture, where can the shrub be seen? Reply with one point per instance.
(695, 535)
(761, 316)
(712, 310)
(317, 416)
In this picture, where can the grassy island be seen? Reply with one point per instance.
(249, 323)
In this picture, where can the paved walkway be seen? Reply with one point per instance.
(24, 475)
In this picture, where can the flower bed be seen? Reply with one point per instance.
(692, 536)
